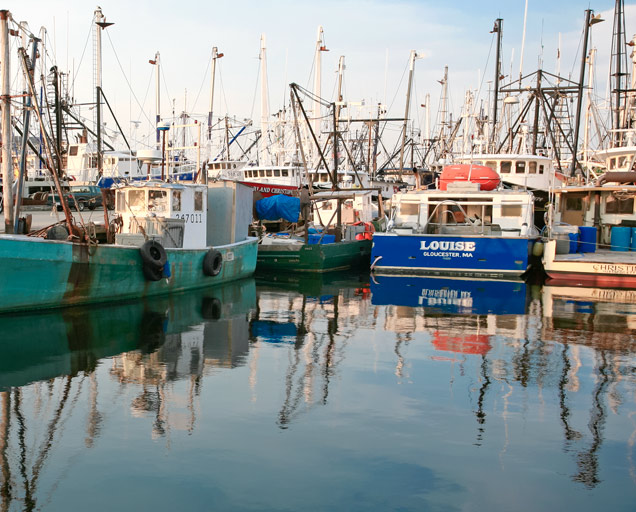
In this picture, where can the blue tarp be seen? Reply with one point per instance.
(278, 207)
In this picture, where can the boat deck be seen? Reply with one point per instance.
(600, 256)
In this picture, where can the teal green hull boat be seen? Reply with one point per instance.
(169, 238)
(314, 257)
(38, 273)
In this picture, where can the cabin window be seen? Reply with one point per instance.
(541, 166)
(176, 200)
(276, 172)
(157, 200)
(198, 201)
(532, 167)
(261, 173)
(492, 165)
(284, 173)
(511, 210)
(233, 166)
(621, 161)
(269, 173)
(520, 168)
(505, 167)
(120, 201)
(619, 205)
(136, 199)
(574, 203)
(323, 178)
(409, 208)
(73, 151)
(612, 163)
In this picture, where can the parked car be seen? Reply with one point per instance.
(80, 197)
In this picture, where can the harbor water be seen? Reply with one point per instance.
(341, 392)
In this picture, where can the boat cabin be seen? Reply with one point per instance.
(603, 206)
(531, 172)
(464, 211)
(173, 213)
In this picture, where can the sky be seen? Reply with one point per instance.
(374, 36)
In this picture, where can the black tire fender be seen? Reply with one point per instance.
(153, 254)
(212, 263)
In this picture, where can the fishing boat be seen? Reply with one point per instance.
(168, 237)
(591, 238)
(598, 213)
(460, 231)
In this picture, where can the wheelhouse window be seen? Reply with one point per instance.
(619, 205)
(176, 200)
(157, 200)
(269, 173)
(520, 168)
(198, 201)
(120, 201)
(277, 172)
(409, 208)
(136, 200)
(506, 166)
(511, 210)
(284, 173)
(574, 203)
(541, 167)
(532, 167)
(492, 165)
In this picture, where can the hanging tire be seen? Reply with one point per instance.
(153, 254)
(212, 263)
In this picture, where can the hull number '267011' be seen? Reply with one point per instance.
(193, 218)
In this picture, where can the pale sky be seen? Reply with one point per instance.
(374, 36)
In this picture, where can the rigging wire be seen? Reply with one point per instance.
(205, 76)
(90, 31)
(124, 73)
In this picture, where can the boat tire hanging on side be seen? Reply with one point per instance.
(212, 263)
(153, 254)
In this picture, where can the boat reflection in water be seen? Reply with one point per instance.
(424, 393)
(67, 374)
(318, 314)
(67, 342)
(462, 314)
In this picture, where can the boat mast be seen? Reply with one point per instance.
(498, 29)
(215, 55)
(407, 108)
(100, 24)
(579, 102)
(618, 75)
(25, 134)
(264, 139)
(7, 171)
(320, 47)
(157, 63)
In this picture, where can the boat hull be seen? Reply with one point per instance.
(601, 268)
(468, 256)
(314, 257)
(37, 273)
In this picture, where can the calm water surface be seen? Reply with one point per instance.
(340, 393)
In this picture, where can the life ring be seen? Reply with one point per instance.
(153, 254)
(212, 263)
